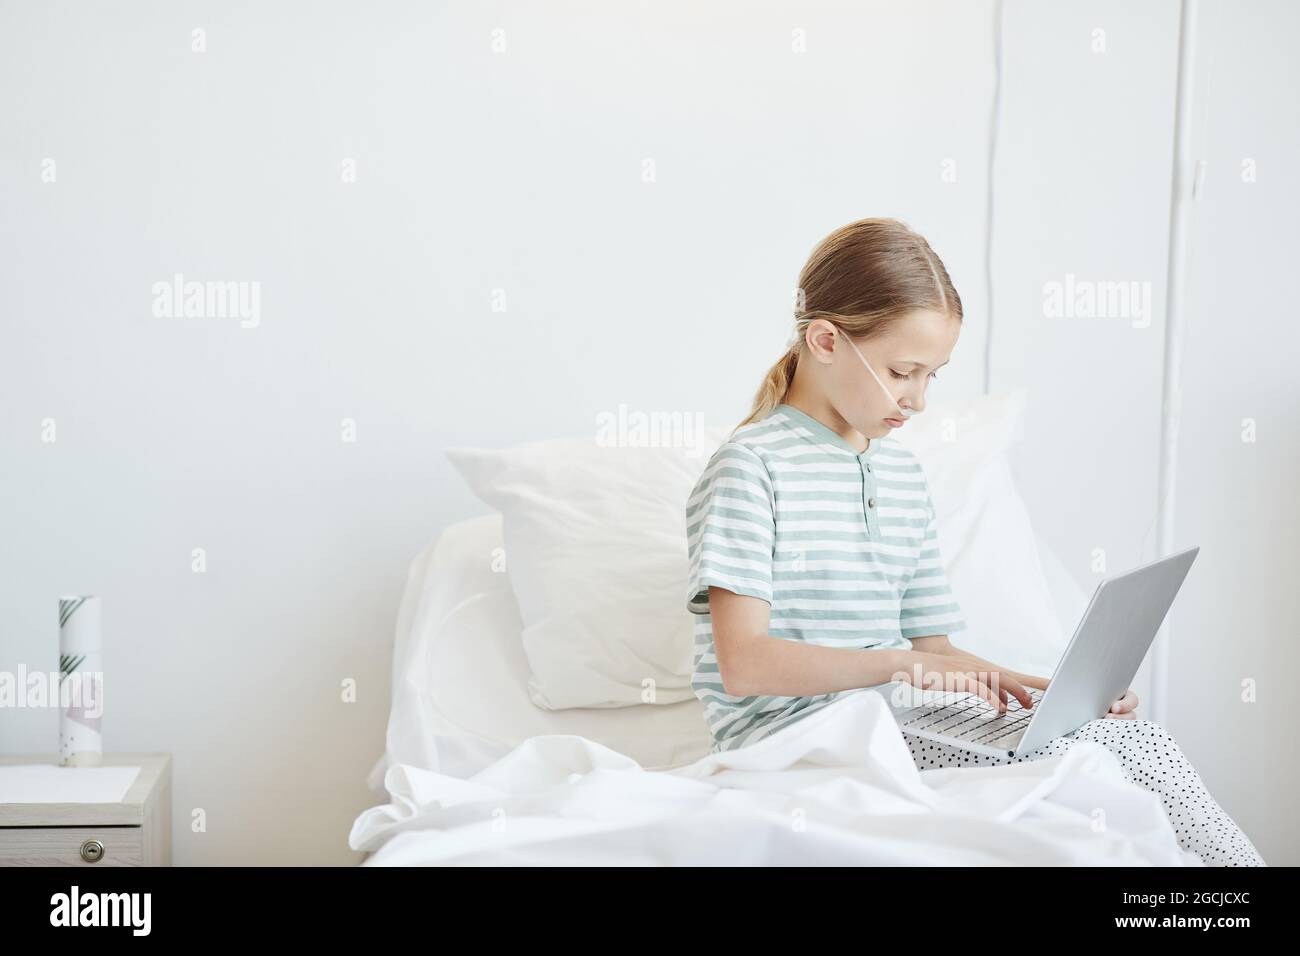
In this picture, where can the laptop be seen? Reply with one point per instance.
(1101, 659)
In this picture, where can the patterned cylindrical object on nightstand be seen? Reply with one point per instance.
(81, 682)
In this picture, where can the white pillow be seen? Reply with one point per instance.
(460, 676)
(595, 550)
(986, 538)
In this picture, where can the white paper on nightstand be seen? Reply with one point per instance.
(49, 783)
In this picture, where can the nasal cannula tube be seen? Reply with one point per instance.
(907, 412)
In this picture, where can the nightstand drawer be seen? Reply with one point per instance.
(63, 846)
(133, 831)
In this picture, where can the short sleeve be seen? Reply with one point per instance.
(928, 605)
(730, 528)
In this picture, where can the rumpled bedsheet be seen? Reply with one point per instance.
(837, 788)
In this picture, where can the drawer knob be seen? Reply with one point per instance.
(92, 851)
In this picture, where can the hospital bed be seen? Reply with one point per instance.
(473, 772)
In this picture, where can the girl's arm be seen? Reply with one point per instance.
(939, 644)
(752, 661)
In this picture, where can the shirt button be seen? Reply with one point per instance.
(871, 502)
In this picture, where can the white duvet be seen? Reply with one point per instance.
(837, 788)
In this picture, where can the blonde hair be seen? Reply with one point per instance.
(864, 277)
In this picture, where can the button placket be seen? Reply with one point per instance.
(869, 499)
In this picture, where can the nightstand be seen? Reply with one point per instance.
(137, 831)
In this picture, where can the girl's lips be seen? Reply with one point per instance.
(894, 422)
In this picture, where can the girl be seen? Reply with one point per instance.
(812, 537)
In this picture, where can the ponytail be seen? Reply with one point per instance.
(775, 385)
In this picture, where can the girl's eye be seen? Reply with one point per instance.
(909, 374)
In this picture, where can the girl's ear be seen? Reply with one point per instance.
(820, 338)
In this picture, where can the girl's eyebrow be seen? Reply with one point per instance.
(911, 362)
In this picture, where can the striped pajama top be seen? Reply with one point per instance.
(842, 545)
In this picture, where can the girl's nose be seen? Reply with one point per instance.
(915, 399)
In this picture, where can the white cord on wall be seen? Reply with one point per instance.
(994, 122)
(1184, 193)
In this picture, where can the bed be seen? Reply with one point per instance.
(473, 772)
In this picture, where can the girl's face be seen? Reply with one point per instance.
(904, 359)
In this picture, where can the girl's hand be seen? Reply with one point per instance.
(966, 674)
(1124, 708)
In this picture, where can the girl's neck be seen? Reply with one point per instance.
(814, 406)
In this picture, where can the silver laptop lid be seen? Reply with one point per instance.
(1107, 648)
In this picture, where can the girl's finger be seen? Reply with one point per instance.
(977, 686)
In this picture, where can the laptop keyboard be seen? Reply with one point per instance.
(971, 718)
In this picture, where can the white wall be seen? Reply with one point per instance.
(519, 171)
(1236, 491)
